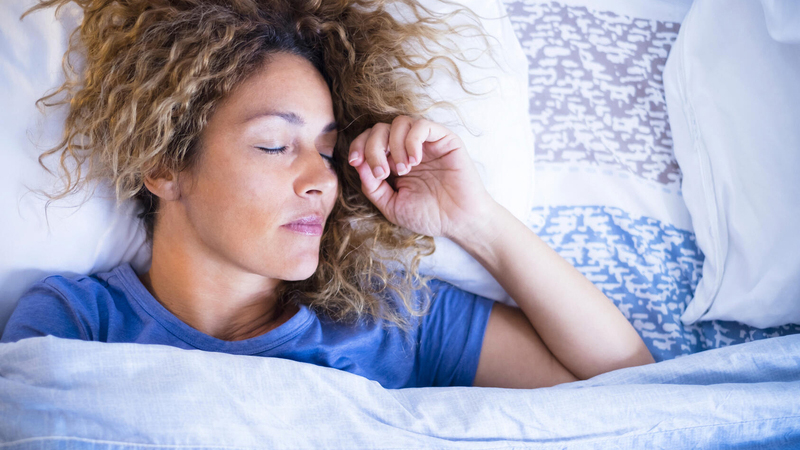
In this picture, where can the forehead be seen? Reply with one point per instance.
(284, 82)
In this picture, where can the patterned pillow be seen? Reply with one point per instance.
(608, 186)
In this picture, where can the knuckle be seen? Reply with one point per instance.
(411, 140)
(374, 144)
(397, 146)
(401, 119)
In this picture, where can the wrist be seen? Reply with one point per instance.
(477, 234)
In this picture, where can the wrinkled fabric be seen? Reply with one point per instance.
(59, 393)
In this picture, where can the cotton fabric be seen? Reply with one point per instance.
(442, 349)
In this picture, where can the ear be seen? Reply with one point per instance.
(164, 186)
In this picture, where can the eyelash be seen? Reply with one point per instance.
(272, 151)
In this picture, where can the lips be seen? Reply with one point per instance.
(308, 225)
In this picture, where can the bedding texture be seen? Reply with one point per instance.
(608, 185)
(132, 396)
(783, 20)
(608, 198)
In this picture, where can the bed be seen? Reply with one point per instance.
(608, 196)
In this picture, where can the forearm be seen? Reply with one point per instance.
(580, 326)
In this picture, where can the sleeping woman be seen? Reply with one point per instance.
(289, 185)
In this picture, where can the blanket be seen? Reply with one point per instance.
(61, 393)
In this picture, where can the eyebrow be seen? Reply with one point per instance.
(290, 117)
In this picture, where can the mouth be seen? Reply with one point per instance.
(309, 226)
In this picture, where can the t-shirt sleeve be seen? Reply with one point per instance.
(45, 310)
(451, 336)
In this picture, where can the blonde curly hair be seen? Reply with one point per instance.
(154, 70)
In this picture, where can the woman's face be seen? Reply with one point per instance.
(263, 185)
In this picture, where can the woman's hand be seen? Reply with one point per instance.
(573, 330)
(421, 177)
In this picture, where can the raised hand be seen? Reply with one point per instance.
(420, 177)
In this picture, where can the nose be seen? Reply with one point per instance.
(315, 175)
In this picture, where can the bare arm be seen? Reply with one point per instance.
(573, 323)
(566, 328)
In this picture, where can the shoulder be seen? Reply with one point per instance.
(431, 300)
(439, 300)
(451, 335)
(69, 287)
(60, 305)
(446, 295)
(437, 285)
(77, 292)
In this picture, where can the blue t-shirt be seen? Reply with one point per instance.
(116, 307)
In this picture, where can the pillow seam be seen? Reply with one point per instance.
(707, 182)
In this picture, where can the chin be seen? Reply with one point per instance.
(302, 271)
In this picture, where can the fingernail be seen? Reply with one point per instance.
(378, 171)
(401, 169)
(412, 160)
(353, 157)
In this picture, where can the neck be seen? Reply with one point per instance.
(208, 293)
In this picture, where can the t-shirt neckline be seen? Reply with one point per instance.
(259, 344)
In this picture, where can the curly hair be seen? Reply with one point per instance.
(154, 70)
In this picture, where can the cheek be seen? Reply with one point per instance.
(255, 202)
(238, 204)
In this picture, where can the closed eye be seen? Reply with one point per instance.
(273, 150)
(328, 159)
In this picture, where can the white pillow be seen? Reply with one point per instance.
(497, 135)
(733, 96)
(94, 238)
(97, 236)
(783, 19)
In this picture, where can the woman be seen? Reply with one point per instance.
(290, 186)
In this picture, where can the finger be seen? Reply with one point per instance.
(356, 156)
(440, 140)
(397, 144)
(413, 142)
(375, 150)
(378, 191)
